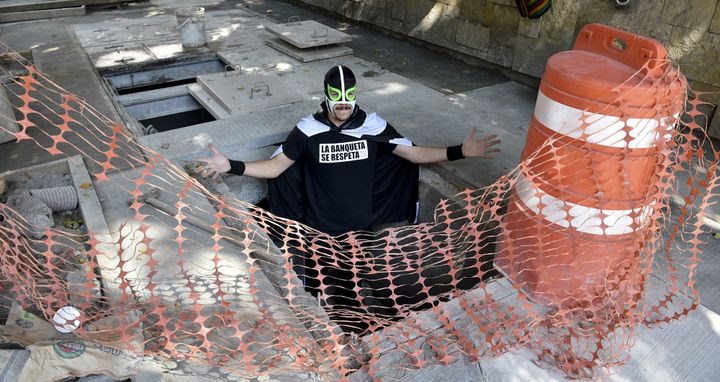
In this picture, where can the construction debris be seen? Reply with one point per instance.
(33, 210)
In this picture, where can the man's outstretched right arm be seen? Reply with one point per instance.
(264, 169)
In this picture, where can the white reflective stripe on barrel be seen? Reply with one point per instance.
(581, 218)
(605, 130)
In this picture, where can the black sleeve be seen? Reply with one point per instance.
(294, 145)
(395, 190)
(286, 193)
(389, 134)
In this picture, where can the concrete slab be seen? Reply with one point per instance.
(711, 211)
(171, 47)
(300, 77)
(158, 102)
(102, 34)
(119, 55)
(705, 275)
(676, 352)
(390, 362)
(190, 66)
(679, 351)
(151, 95)
(231, 18)
(68, 67)
(234, 136)
(457, 372)
(505, 110)
(8, 124)
(158, 29)
(308, 34)
(240, 40)
(240, 93)
(256, 57)
(309, 54)
(41, 14)
(208, 102)
(127, 42)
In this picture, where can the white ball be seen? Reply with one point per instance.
(66, 320)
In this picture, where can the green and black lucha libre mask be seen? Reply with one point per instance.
(340, 87)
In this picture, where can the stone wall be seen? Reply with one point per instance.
(493, 30)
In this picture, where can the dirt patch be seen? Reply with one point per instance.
(39, 179)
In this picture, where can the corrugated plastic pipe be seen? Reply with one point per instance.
(57, 198)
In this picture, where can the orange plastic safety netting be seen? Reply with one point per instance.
(205, 279)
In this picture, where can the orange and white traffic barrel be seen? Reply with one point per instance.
(578, 213)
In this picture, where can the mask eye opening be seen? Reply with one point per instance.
(350, 94)
(333, 94)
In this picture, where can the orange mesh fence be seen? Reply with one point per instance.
(211, 282)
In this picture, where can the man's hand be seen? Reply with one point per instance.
(480, 147)
(215, 165)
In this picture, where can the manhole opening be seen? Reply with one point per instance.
(158, 77)
(177, 120)
(160, 85)
(157, 98)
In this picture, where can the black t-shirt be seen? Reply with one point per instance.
(338, 171)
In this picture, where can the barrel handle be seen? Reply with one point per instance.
(183, 23)
(626, 47)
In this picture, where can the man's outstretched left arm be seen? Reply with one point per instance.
(472, 147)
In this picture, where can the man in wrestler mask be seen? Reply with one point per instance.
(342, 169)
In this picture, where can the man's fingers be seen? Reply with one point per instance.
(205, 171)
(493, 151)
(493, 143)
(213, 149)
(202, 168)
(473, 131)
